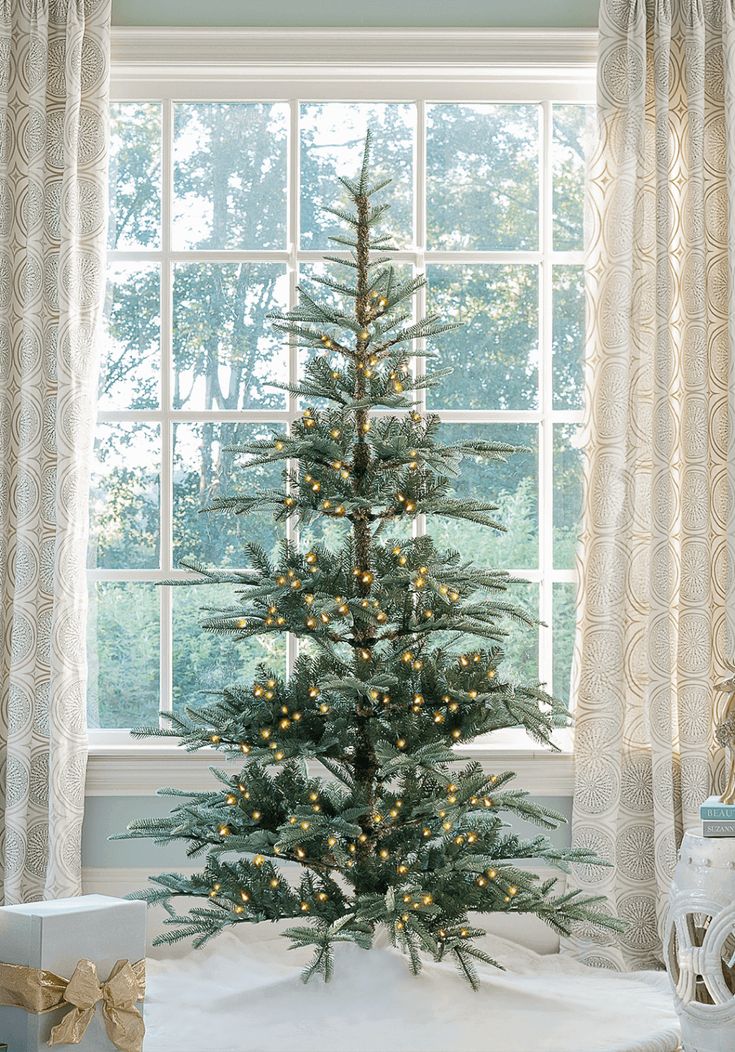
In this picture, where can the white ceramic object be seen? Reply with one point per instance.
(699, 944)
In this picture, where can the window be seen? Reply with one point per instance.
(213, 221)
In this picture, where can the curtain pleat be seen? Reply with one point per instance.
(657, 542)
(54, 83)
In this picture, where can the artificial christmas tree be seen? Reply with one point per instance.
(401, 645)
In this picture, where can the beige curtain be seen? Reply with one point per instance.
(54, 73)
(655, 555)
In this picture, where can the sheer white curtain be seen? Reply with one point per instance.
(658, 529)
(54, 74)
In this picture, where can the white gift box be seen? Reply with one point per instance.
(56, 935)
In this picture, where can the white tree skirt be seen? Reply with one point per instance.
(243, 993)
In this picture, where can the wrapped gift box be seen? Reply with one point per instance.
(55, 936)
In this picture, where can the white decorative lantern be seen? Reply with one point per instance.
(699, 944)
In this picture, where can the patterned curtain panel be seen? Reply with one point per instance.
(54, 73)
(653, 622)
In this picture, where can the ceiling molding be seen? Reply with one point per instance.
(154, 52)
(125, 770)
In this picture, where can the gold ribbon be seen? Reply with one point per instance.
(38, 990)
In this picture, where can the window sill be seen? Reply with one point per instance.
(119, 766)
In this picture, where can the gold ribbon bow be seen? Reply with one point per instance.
(38, 990)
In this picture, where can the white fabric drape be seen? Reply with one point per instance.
(657, 535)
(54, 75)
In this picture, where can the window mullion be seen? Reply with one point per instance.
(546, 437)
(292, 197)
(166, 545)
(419, 524)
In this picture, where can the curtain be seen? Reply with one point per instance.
(54, 75)
(656, 548)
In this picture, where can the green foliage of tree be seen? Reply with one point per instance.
(348, 771)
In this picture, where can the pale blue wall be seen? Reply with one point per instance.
(500, 13)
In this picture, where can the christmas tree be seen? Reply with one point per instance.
(348, 774)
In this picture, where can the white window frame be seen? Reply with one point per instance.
(291, 66)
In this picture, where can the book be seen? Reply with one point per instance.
(713, 810)
(718, 829)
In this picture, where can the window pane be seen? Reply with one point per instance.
(226, 351)
(482, 165)
(564, 606)
(230, 175)
(123, 639)
(567, 493)
(130, 367)
(512, 485)
(135, 175)
(332, 138)
(520, 661)
(124, 497)
(203, 470)
(208, 661)
(495, 352)
(569, 336)
(572, 137)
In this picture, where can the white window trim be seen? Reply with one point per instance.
(288, 64)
